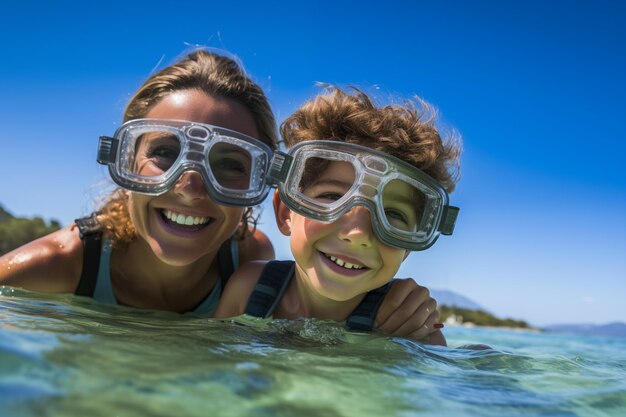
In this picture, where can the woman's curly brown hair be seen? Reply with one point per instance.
(405, 131)
(214, 74)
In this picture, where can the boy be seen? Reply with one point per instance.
(354, 205)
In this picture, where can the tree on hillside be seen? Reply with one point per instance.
(15, 232)
(478, 317)
(4, 215)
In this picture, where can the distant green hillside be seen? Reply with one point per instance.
(15, 232)
(4, 215)
(477, 317)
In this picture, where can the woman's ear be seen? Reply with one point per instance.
(282, 214)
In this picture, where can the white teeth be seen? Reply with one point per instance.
(185, 220)
(344, 264)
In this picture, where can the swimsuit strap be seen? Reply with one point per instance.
(227, 259)
(270, 288)
(274, 280)
(91, 234)
(362, 318)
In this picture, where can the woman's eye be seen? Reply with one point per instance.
(164, 152)
(230, 165)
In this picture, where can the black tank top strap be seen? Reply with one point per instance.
(226, 260)
(362, 318)
(91, 234)
(270, 287)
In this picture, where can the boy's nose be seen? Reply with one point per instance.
(356, 227)
(190, 186)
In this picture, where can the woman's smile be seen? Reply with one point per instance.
(185, 220)
(182, 225)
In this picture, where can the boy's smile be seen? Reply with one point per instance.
(340, 265)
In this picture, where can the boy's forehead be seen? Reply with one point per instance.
(338, 167)
(325, 172)
(401, 191)
(335, 170)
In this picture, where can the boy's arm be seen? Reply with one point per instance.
(234, 298)
(409, 311)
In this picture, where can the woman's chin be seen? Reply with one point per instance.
(175, 255)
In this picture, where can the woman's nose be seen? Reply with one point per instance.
(190, 186)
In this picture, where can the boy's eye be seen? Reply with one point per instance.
(399, 219)
(396, 215)
(328, 196)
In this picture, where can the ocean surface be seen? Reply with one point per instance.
(62, 355)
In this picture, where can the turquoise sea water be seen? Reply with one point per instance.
(62, 355)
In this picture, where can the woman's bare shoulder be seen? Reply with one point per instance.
(52, 263)
(255, 247)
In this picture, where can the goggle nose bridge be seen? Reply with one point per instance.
(374, 163)
(199, 133)
(367, 185)
(195, 150)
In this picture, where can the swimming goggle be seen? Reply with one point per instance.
(149, 155)
(324, 179)
(319, 179)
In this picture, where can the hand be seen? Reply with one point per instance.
(409, 311)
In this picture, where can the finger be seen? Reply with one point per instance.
(427, 328)
(436, 338)
(420, 324)
(395, 297)
(403, 315)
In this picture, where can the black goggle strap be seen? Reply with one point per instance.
(278, 168)
(448, 220)
(107, 150)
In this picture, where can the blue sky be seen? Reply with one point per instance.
(535, 88)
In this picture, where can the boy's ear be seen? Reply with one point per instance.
(282, 214)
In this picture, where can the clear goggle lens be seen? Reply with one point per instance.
(326, 179)
(329, 184)
(157, 153)
(150, 155)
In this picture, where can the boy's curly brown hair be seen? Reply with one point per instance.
(405, 131)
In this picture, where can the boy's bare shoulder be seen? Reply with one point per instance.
(52, 263)
(240, 285)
